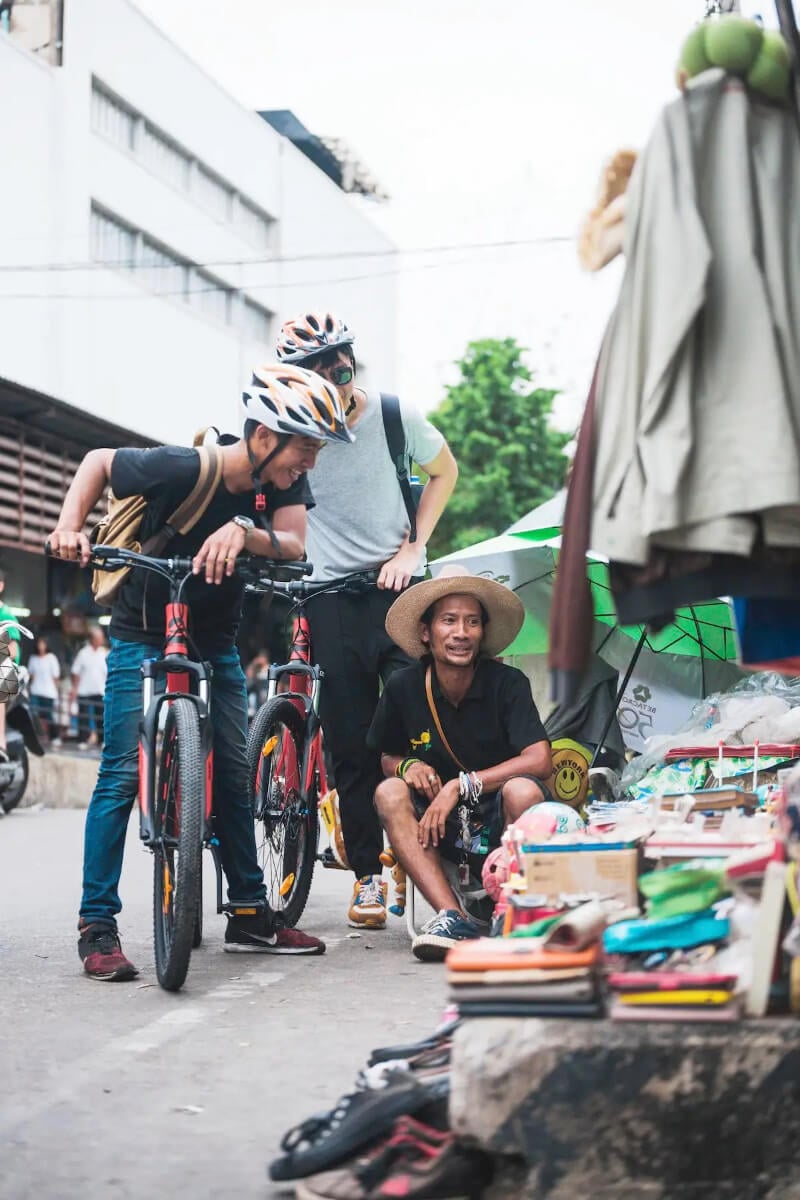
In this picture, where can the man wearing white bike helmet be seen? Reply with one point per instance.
(259, 505)
(361, 523)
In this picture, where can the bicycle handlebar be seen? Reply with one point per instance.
(249, 567)
(357, 581)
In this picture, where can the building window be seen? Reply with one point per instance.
(170, 161)
(208, 296)
(162, 272)
(255, 322)
(212, 193)
(252, 223)
(164, 157)
(111, 241)
(167, 274)
(112, 118)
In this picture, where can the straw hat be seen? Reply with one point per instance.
(505, 609)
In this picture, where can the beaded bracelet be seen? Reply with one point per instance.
(470, 787)
(403, 765)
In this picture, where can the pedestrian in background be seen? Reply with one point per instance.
(45, 672)
(88, 687)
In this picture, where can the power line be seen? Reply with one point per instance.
(274, 285)
(182, 293)
(443, 248)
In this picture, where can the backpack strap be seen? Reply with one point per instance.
(188, 513)
(396, 441)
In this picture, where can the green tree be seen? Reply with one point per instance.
(510, 459)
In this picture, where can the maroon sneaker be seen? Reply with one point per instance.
(102, 955)
(256, 935)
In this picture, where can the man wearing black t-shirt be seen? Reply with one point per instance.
(460, 738)
(259, 506)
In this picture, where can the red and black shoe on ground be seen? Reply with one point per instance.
(260, 933)
(101, 953)
(415, 1161)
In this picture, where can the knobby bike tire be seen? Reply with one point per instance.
(178, 850)
(197, 932)
(287, 820)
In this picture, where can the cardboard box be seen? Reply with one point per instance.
(611, 872)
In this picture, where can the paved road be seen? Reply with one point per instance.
(125, 1091)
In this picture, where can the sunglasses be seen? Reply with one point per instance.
(332, 367)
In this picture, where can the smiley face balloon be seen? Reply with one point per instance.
(569, 782)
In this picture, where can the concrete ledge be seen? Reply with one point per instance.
(61, 780)
(634, 1111)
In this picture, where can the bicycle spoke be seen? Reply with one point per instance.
(285, 825)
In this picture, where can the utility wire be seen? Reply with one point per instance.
(145, 294)
(137, 265)
(244, 289)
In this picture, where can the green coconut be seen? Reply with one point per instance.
(733, 43)
(771, 72)
(693, 58)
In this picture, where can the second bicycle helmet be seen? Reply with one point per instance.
(311, 334)
(295, 402)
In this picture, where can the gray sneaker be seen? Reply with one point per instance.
(443, 931)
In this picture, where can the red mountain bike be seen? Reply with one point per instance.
(285, 756)
(176, 767)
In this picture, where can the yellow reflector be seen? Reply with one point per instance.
(168, 889)
(269, 746)
(287, 884)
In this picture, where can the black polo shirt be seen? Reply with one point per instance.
(495, 721)
(165, 475)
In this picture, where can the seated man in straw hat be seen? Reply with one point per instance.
(462, 744)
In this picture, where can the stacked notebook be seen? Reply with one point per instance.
(672, 996)
(505, 977)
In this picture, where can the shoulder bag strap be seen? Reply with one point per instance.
(396, 441)
(188, 513)
(437, 722)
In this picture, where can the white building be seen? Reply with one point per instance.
(153, 234)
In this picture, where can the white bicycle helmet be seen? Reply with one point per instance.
(295, 402)
(311, 334)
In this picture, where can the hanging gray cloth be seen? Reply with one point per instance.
(698, 397)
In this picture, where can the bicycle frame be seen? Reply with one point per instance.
(305, 685)
(182, 677)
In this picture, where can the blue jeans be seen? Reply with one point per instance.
(118, 783)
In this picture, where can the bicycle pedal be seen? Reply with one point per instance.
(329, 860)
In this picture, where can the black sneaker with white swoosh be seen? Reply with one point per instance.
(256, 933)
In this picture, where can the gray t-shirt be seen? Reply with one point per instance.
(360, 519)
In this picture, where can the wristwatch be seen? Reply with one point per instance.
(245, 523)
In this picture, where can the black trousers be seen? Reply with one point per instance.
(350, 643)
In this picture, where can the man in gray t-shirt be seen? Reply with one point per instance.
(360, 523)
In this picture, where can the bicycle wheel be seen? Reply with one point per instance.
(197, 932)
(286, 819)
(179, 843)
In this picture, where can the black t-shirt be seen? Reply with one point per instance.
(166, 476)
(495, 721)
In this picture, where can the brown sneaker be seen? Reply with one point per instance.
(368, 906)
(101, 954)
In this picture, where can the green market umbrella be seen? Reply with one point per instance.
(701, 633)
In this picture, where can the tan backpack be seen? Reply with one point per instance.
(121, 524)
